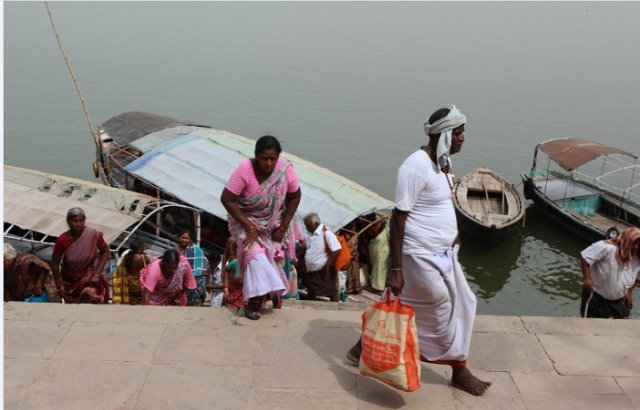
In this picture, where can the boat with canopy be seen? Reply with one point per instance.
(588, 187)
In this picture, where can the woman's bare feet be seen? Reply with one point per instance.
(464, 380)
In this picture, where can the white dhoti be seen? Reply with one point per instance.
(445, 306)
(260, 278)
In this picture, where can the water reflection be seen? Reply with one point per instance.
(488, 267)
(551, 257)
(537, 271)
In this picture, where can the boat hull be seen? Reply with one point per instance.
(485, 234)
(487, 206)
(559, 215)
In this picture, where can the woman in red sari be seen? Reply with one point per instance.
(79, 256)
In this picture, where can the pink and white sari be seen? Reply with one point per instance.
(261, 262)
(164, 291)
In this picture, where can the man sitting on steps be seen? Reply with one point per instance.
(320, 257)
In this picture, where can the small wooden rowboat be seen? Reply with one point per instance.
(487, 206)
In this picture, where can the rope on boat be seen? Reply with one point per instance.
(75, 80)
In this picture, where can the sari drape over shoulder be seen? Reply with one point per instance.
(164, 291)
(79, 261)
(265, 211)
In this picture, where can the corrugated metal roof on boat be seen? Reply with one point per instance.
(341, 190)
(196, 167)
(130, 126)
(39, 201)
(158, 138)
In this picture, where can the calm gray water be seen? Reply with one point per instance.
(348, 86)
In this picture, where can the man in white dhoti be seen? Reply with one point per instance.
(424, 252)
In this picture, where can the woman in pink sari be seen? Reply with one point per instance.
(78, 260)
(262, 196)
(165, 280)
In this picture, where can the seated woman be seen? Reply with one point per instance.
(24, 277)
(126, 280)
(79, 278)
(165, 280)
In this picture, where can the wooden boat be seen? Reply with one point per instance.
(36, 203)
(587, 187)
(191, 163)
(487, 206)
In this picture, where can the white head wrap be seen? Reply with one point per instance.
(444, 127)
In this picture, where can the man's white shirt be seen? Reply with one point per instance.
(316, 256)
(423, 191)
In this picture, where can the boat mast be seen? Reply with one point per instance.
(75, 80)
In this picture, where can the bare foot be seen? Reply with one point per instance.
(464, 380)
(353, 355)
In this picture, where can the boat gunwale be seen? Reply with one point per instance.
(508, 188)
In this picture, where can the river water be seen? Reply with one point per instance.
(346, 85)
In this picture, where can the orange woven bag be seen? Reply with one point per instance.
(390, 350)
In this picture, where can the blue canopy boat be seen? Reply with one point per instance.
(191, 163)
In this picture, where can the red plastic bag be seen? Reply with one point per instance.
(390, 350)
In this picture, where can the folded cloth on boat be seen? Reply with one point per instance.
(444, 127)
